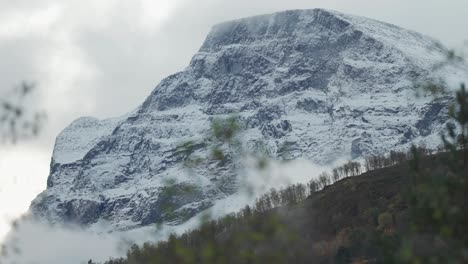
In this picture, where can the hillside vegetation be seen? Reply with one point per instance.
(407, 208)
(348, 220)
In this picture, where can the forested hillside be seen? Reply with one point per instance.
(407, 208)
(347, 220)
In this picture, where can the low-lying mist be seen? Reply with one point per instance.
(31, 241)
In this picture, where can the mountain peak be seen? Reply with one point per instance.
(321, 23)
(277, 25)
(321, 84)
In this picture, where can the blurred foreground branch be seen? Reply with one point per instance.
(18, 117)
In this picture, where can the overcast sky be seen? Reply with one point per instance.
(103, 57)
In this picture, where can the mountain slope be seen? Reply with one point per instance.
(344, 216)
(380, 216)
(321, 83)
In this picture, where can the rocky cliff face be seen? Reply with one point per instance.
(322, 83)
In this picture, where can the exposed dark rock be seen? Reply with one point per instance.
(307, 83)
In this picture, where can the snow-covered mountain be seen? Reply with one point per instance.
(323, 83)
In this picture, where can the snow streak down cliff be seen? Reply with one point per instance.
(322, 83)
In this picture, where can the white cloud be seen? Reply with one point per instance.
(34, 242)
(20, 24)
(19, 183)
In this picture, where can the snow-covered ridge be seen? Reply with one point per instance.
(81, 136)
(247, 31)
(318, 83)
